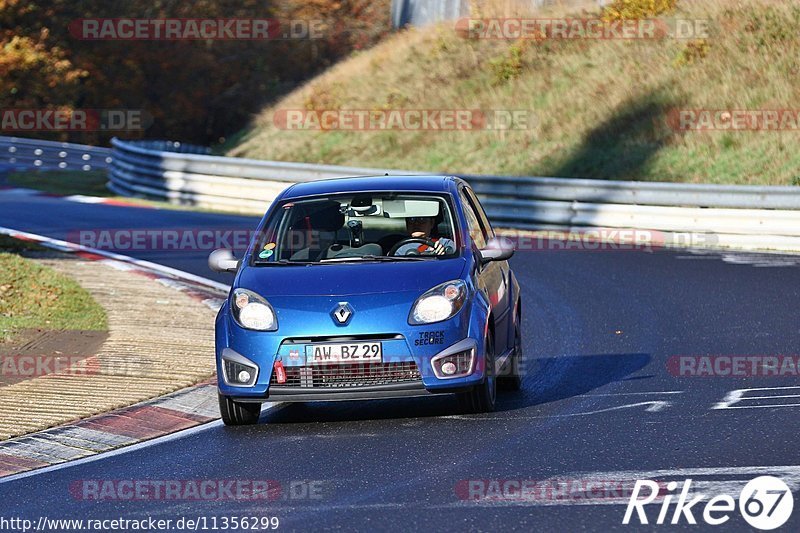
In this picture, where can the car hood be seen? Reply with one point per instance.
(349, 278)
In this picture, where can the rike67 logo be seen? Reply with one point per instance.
(765, 503)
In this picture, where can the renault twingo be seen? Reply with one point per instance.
(365, 288)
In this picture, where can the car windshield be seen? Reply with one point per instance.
(376, 226)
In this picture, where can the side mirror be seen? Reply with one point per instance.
(223, 260)
(497, 249)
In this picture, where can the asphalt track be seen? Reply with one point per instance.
(598, 402)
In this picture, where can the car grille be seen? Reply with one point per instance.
(348, 375)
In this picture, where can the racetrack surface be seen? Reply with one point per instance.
(599, 402)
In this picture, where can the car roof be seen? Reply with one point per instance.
(370, 183)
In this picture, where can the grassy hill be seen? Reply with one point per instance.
(602, 106)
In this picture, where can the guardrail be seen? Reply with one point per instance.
(736, 216)
(236, 184)
(18, 153)
(749, 217)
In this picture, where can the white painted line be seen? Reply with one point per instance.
(760, 406)
(771, 397)
(652, 407)
(72, 247)
(635, 393)
(738, 396)
(85, 199)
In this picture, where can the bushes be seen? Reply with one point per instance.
(509, 65)
(637, 9)
(196, 91)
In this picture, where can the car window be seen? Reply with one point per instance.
(349, 226)
(477, 232)
(482, 218)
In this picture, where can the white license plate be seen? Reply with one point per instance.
(352, 352)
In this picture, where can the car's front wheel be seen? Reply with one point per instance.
(238, 413)
(482, 398)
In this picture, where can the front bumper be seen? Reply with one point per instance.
(372, 392)
(408, 352)
(411, 376)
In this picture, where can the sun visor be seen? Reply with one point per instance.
(411, 208)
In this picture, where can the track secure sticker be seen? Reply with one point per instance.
(427, 338)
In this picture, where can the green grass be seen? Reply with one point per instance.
(602, 105)
(66, 182)
(36, 297)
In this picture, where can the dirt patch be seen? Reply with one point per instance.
(33, 353)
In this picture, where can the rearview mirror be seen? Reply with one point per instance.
(223, 260)
(497, 249)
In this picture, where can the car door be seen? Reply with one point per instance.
(491, 277)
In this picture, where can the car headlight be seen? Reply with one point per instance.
(251, 311)
(439, 303)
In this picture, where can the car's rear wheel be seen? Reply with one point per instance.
(238, 413)
(512, 380)
(482, 398)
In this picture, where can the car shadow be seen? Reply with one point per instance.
(546, 380)
(551, 379)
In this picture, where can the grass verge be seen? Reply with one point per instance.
(602, 108)
(36, 297)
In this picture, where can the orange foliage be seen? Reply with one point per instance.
(197, 91)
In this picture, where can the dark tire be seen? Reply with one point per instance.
(238, 413)
(512, 378)
(482, 398)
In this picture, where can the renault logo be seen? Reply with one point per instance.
(342, 313)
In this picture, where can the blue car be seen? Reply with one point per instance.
(365, 288)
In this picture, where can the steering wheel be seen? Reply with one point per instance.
(420, 240)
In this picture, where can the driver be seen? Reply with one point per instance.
(423, 228)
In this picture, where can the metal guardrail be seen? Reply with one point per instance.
(244, 185)
(18, 153)
(750, 217)
(738, 216)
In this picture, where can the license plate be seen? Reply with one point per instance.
(352, 352)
